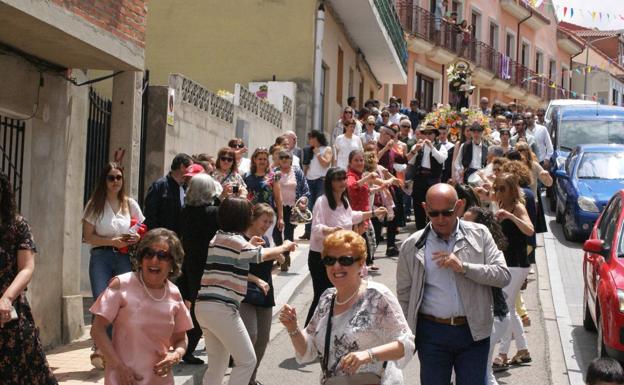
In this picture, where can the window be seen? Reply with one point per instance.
(476, 24)
(608, 223)
(539, 62)
(564, 77)
(615, 97)
(340, 80)
(552, 69)
(525, 54)
(456, 7)
(494, 35)
(350, 87)
(510, 45)
(361, 93)
(424, 91)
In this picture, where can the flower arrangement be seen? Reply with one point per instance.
(453, 119)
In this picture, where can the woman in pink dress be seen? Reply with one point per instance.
(148, 315)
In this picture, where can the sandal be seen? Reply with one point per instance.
(500, 363)
(373, 268)
(526, 321)
(521, 357)
(97, 360)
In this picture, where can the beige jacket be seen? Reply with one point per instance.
(486, 268)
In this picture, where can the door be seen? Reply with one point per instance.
(564, 184)
(424, 91)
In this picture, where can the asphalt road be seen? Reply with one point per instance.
(279, 366)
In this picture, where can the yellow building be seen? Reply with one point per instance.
(331, 49)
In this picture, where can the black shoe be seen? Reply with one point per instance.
(392, 252)
(192, 360)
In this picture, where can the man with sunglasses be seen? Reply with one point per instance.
(428, 157)
(522, 135)
(165, 197)
(445, 275)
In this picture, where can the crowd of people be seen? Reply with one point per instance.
(197, 259)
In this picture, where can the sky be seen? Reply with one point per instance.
(604, 15)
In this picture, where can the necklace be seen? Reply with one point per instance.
(148, 292)
(348, 299)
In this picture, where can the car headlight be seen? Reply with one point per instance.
(588, 204)
(561, 161)
(620, 294)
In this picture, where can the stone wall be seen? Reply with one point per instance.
(204, 122)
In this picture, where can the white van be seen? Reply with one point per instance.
(564, 102)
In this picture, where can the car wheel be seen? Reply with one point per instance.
(568, 223)
(588, 322)
(602, 352)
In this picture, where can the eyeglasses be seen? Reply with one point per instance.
(113, 178)
(343, 260)
(238, 146)
(150, 253)
(226, 159)
(444, 213)
(500, 189)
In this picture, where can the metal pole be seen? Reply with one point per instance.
(585, 69)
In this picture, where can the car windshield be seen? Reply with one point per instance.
(575, 132)
(601, 165)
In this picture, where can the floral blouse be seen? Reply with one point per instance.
(375, 319)
(260, 188)
(228, 177)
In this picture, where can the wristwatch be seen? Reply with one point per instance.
(464, 267)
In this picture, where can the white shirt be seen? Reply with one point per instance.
(315, 170)
(111, 224)
(476, 156)
(343, 148)
(542, 141)
(366, 137)
(339, 130)
(395, 118)
(439, 155)
(245, 165)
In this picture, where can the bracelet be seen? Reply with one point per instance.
(371, 355)
(294, 332)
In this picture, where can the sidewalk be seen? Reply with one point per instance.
(71, 363)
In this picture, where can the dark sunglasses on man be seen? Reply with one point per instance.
(444, 213)
(343, 260)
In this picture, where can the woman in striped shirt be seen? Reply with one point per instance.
(223, 286)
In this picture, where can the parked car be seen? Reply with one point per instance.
(575, 125)
(591, 175)
(603, 273)
(553, 104)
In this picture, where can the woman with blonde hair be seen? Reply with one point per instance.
(517, 227)
(381, 344)
(537, 172)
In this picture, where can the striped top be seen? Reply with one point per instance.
(227, 265)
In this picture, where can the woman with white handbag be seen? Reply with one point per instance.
(358, 326)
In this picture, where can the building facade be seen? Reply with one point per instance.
(516, 52)
(330, 49)
(46, 47)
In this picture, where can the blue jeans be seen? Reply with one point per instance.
(317, 187)
(444, 347)
(104, 265)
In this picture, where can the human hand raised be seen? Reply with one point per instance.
(288, 317)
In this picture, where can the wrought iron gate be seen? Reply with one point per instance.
(12, 133)
(98, 139)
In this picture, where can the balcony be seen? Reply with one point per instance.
(571, 44)
(523, 11)
(491, 68)
(374, 27)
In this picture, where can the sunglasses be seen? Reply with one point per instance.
(444, 213)
(238, 146)
(343, 261)
(113, 178)
(226, 159)
(405, 126)
(282, 157)
(151, 253)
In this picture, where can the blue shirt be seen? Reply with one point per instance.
(441, 298)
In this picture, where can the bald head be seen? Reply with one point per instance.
(441, 193)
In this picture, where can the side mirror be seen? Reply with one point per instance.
(596, 246)
(561, 174)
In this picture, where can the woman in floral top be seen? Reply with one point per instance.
(263, 186)
(22, 360)
(368, 328)
(226, 173)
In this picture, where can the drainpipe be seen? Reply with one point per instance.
(571, 58)
(444, 80)
(318, 68)
(518, 41)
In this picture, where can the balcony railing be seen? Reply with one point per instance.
(391, 21)
(422, 24)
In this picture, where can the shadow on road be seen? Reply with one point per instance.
(291, 363)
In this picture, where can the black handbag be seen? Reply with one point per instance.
(353, 379)
(254, 295)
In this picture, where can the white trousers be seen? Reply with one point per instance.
(499, 328)
(225, 335)
(518, 275)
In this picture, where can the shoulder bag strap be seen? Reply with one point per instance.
(325, 360)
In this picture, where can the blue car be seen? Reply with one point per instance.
(592, 173)
(576, 125)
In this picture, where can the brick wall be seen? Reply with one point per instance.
(125, 19)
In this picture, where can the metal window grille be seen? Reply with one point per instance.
(98, 140)
(12, 133)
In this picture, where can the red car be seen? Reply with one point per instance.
(603, 271)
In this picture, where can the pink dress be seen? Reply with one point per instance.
(142, 327)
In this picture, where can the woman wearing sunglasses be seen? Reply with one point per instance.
(227, 174)
(148, 314)
(106, 227)
(517, 227)
(369, 334)
(331, 213)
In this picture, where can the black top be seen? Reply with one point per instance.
(263, 271)
(162, 205)
(500, 308)
(516, 253)
(198, 227)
